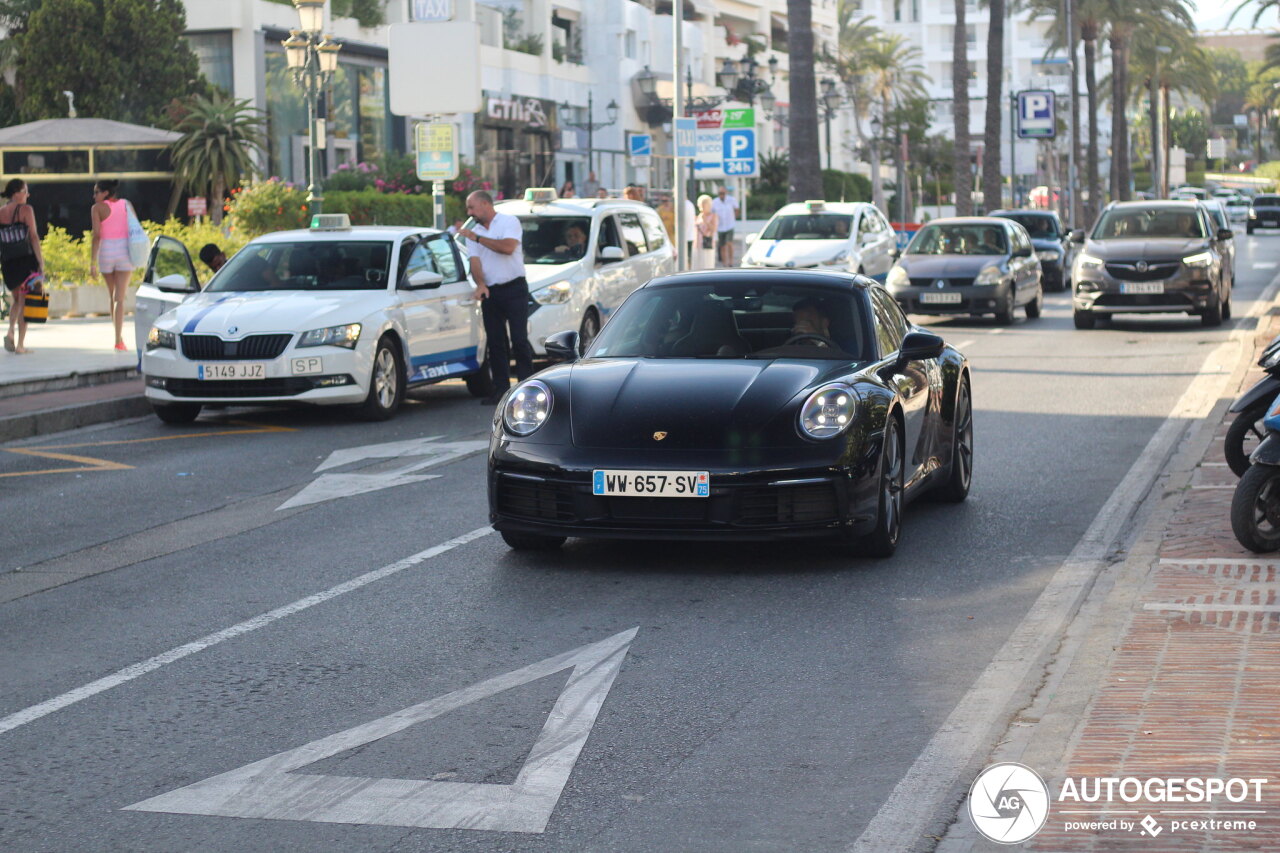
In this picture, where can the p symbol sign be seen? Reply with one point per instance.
(1035, 106)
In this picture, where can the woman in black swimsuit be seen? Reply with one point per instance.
(18, 224)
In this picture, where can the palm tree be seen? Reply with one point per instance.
(960, 112)
(1186, 69)
(895, 77)
(992, 174)
(220, 137)
(806, 165)
(854, 36)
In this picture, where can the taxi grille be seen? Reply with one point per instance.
(213, 389)
(214, 348)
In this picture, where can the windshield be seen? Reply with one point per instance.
(555, 239)
(1037, 226)
(1130, 223)
(1266, 201)
(728, 319)
(959, 239)
(305, 265)
(809, 226)
(1219, 215)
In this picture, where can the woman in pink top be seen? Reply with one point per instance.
(110, 251)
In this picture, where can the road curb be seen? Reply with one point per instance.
(62, 418)
(85, 379)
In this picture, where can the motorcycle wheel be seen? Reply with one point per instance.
(1255, 509)
(1243, 437)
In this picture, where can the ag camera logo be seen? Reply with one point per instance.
(1008, 803)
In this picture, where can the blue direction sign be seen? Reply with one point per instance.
(686, 137)
(739, 152)
(1036, 118)
(641, 144)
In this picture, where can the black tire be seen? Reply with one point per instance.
(177, 414)
(1243, 436)
(480, 383)
(1212, 316)
(1033, 307)
(1084, 319)
(1248, 229)
(883, 540)
(531, 541)
(1226, 308)
(1005, 315)
(386, 383)
(1255, 509)
(956, 487)
(589, 329)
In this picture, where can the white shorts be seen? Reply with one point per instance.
(113, 255)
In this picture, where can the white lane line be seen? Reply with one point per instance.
(129, 673)
(996, 332)
(922, 794)
(1265, 265)
(964, 344)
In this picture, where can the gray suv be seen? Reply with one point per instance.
(1151, 257)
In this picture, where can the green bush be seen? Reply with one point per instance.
(267, 206)
(762, 205)
(845, 186)
(370, 207)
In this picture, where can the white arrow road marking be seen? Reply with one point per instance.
(270, 789)
(329, 487)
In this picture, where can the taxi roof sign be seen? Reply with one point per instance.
(541, 195)
(331, 222)
(815, 204)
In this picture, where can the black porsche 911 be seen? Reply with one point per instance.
(735, 405)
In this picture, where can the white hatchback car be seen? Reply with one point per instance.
(330, 315)
(848, 236)
(583, 257)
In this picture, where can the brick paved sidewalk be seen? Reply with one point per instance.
(1193, 687)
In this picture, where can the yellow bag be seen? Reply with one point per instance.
(36, 308)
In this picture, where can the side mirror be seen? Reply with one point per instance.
(1022, 253)
(424, 280)
(750, 238)
(612, 254)
(174, 283)
(1226, 234)
(1076, 235)
(917, 346)
(563, 346)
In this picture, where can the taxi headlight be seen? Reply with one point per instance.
(828, 412)
(553, 294)
(897, 278)
(1049, 255)
(841, 258)
(160, 339)
(1253, 214)
(1087, 263)
(527, 408)
(333, 336)
(989, 275)
(1200, 260)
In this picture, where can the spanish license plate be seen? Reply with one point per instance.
(1142, 287)
(936, 298)
(651, 484)
(238, 371)
(306, 366)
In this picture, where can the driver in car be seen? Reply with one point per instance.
(807, 319)
(575, 242)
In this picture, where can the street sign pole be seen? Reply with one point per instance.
(436, 150)
(677, 111)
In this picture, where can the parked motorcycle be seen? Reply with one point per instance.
(1255, 506)
(1246, 431)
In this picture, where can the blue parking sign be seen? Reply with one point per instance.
(739, 152)
(641, 144)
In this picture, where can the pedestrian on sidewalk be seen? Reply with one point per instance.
(110, 249)
(20, 257)
(497, 266)
(726, 208)
(704, 251)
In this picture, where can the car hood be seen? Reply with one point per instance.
(1158, 249)
(947, 266)
(271, 311)
(701, 404)
(800, 253)
(1046, 243)
(540, 275)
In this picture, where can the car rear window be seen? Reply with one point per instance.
(1266, 201)
(1037, 225)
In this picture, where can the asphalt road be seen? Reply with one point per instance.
(769, 699)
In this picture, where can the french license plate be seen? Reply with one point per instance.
(935, 298)
(306, 366)
(1142, 287)
(256, 370)
(651, 484)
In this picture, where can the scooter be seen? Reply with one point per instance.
(1246, 430)
(1255, 506)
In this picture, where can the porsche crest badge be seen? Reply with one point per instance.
(658, 436)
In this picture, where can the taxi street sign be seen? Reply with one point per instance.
(437, 151)
(640, 147)
(686, 137)
(1036, 119)
(433, 10)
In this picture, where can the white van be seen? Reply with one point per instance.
(578, 285)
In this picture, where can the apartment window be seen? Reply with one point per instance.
(915, 11)
(213, 52)
(629, 44)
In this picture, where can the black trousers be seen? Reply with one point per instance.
(508, 308)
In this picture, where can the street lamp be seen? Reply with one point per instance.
(313, 59)
(830, 103)
(740, 79)
(590, 125)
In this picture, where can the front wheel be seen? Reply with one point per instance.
(1005, 315)
(177, 414)
(1212, 315)
(883, 540)
(386, 384)
(1255, 509)
(531, 541)
(480, 383)
(1243, 437)
(1084, 319)
(588, 330)
(1034, 306)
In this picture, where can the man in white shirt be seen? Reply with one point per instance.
(725, 207)
(497, 267)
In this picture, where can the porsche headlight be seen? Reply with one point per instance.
(1200, 260)
(1049, 255)
(1087, 263)
(828, 412)
(332, 336)
(841, 258)
(160, 339)
(553, 294)
(990, 275)
(527, 408)
(897, 278)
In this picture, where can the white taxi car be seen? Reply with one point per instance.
(329, 315)
(583, 257)
(849, 236)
